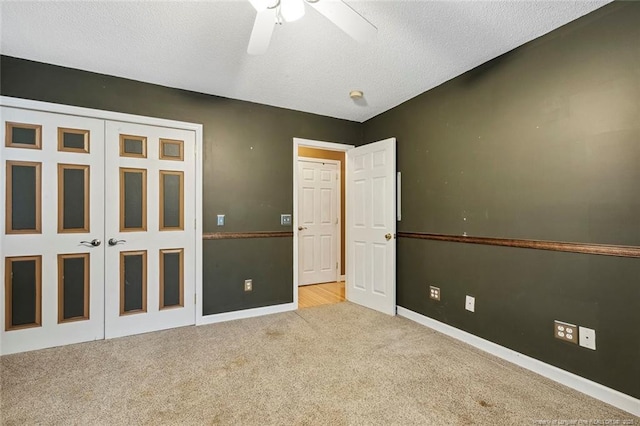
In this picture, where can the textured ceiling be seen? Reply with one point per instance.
(311, 65)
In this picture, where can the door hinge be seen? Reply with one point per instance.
(195, 299)
(195, 223)
(336, 265)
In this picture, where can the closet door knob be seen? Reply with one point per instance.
(113, 241)
(95, 242)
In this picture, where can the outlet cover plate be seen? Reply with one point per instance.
(587, 337)
(248, 285)
(285, 219)
(470, 303)
(220, 220)
(565, 331)
(434, 292)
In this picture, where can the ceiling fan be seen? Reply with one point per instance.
(272, 12)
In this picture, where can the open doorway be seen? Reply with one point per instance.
(319, 222)
(370, 228)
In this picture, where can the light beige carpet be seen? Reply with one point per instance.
(330, 365)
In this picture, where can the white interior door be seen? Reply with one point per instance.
(317, 221)
(52, 182)
(150, 228)
(78, 192)
(371, 226)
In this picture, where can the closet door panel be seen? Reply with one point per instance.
(150, 222)
(53, 256)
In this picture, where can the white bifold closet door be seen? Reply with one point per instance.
(150, 228)
(52, 248)
(99, 229)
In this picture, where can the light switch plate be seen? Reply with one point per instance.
(470, 303)
(220, 220)
(285, 219)
(587, 337)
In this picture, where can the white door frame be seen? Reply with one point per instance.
(152, 121)
(298, 142)
(338, 206)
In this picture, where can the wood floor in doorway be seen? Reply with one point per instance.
(320, 294)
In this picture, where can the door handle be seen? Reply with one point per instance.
(95, 242)
(301, 228)
(113, 241)
(388, 237)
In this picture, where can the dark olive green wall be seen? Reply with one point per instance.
(248, 174)
(540, 143)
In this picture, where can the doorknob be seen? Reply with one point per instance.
(301, 228)
(113, 241)
(388, 237)
(95, 242)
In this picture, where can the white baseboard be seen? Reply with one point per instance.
(593, 389)
(246, 313)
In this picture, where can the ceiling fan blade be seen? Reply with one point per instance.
(347, 19)
(261, 33)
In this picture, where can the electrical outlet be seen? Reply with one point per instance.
(587, 337)
(248, 285)
(285, 219)
(220, 220)
(565, 331)
(434, 292)
(470, 303)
